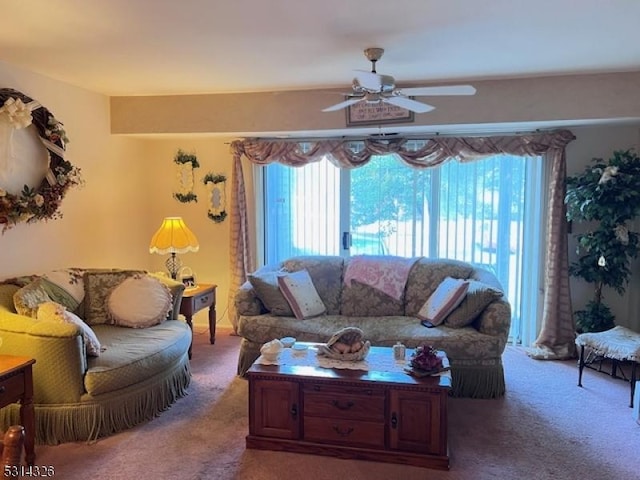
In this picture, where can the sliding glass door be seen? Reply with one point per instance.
(480, 212)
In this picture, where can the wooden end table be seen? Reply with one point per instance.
(16, 385)
(195, 299)
(369, 415)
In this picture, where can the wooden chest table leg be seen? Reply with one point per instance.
(212, 324)
(28, 417)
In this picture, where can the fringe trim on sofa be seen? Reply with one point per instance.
(477, 382)
(95, 418)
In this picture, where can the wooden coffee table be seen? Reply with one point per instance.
(368, 415)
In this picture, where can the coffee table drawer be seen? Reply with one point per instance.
(353, 407)
(342, 431)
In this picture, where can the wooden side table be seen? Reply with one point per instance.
(16, 385)
(194, 300)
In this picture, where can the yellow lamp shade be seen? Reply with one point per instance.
(173, 236)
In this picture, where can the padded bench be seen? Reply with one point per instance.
(619, 344)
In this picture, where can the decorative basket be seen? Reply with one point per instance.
(346, 344)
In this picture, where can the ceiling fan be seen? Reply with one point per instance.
(372, 87)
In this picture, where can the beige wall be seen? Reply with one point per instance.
(129, 179)
(600, 142)
(559, 99)
(211, 263)
(104, 223)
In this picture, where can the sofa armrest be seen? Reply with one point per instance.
(59, 351)
(496, 320)
(177, 291)
(246, 301)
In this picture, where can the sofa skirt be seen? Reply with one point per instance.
(103, 415)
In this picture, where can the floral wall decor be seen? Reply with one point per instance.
(215, 184)
(185, 165)
(18, 112)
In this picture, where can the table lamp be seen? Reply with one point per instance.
(173, 237)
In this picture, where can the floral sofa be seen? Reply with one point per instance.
(110, 351)
(474, 339)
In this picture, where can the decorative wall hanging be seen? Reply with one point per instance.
(186, 163)
(32, 146)
(216, 184)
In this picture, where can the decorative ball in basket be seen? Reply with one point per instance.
(346, 344)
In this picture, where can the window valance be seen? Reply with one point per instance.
(419, 153)
(556, 338)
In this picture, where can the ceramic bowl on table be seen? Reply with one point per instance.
(299, 349)
(271, 356)
(271, 350)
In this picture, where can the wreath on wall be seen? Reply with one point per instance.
(215, 184)
(42, 202)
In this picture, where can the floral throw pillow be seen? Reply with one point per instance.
(448, 295)
(70, 285)
(27, 298)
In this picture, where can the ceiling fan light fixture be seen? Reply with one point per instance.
(373, 54)
(373, 88)
(372, 98)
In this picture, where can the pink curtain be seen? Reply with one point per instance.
(557, 323)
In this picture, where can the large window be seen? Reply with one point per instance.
(480, 212)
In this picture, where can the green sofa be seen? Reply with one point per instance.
(139, 373)
(475, 351)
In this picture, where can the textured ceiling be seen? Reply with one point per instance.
(141, 47)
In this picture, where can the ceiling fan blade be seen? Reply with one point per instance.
(408, 104)
(344, 104)
(443, 90)
(368, 80)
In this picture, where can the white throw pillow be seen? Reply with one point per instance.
(301, 294)
(441, 303)
(140, 301)
(55, 312)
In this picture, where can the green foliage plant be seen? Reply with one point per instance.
(606, 197)
(183, 157)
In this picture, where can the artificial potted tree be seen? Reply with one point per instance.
(606, 197)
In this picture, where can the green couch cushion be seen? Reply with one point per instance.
(131, 355)
(479, 295)
(267, 290)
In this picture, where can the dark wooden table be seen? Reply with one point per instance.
(369, 415)
(16, 385)
(195, 299)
